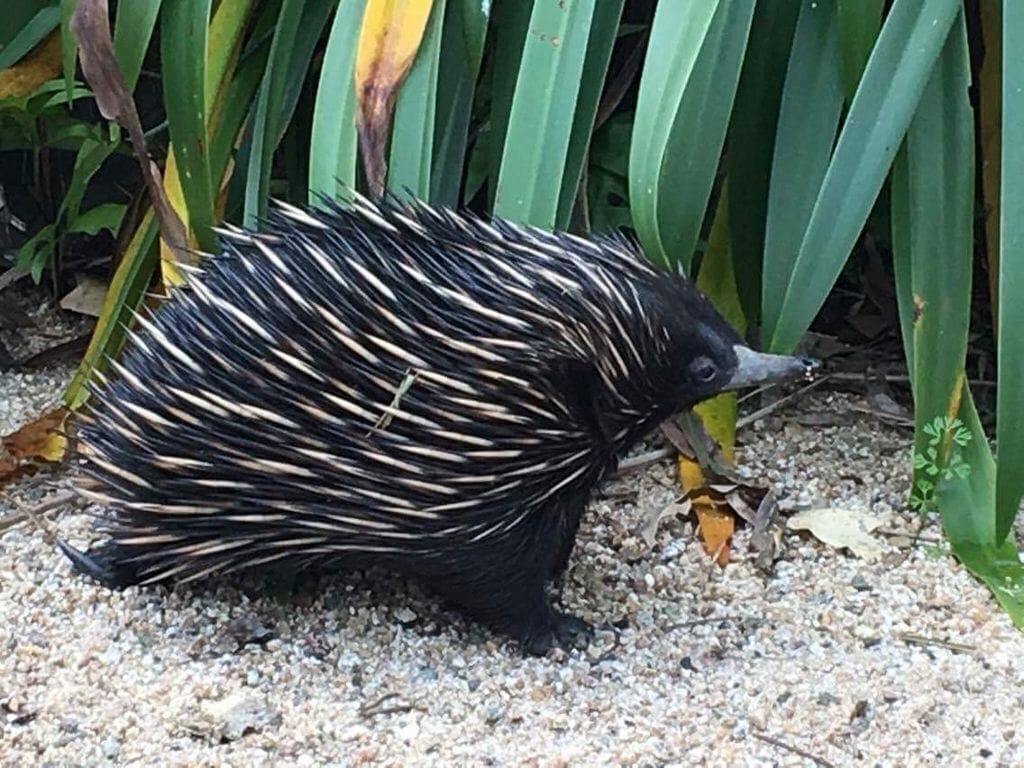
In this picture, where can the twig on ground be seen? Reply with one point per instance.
(35, 514)
(795, 750)
(702, 622)
(910, 535)
(770, 409)
(913, 639)
(634, 463)
(898, 378)
(376, 707)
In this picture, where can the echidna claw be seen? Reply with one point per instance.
(565, 631)
(571, 631)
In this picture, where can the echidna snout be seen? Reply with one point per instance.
(395, 385)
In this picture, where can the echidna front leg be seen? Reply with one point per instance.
(529, 618)
(501, 583)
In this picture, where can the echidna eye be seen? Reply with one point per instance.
(703, 369)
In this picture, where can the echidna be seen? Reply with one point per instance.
(399, 385)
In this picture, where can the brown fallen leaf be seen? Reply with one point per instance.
(388, 41)
(37, 439)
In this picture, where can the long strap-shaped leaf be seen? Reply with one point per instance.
(334, 150)
(812, 100)
(686, 94)
(595, 69)
(410, 168)
(1010, 341)
(267, 120)
(464, 35)
(752, 132)
(184, 35)
(540, 122)
(886, 98)
(932, 206)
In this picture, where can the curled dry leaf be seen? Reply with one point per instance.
(841, 528)
(388, 41)
(90, 25)
(38, 442)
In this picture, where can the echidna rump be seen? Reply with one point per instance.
(397, 385)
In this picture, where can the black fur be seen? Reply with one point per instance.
(250, 423)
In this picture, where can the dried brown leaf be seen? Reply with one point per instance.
(90, 24)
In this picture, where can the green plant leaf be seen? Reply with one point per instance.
(896, 74)
(465, 28)
(183, 36)
(267, 123)
(133, 30)
(859, 22)
(603, 30)
(1009, 342)
(510, 28)
(1000, 569)
(333, 155)
(751, 142)
(932, 210)
(474, 16)
(106, 216)
(533, 161)
(812, 100)
(410, 168)
(686, 94)
(27, 37)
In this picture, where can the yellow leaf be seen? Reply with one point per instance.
(176, 198)
(388, 41)
(42, 63)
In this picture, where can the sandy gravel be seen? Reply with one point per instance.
(694, 666)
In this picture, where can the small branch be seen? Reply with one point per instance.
(770, 409)
(795, 750)
(634, 463)
(922, 640)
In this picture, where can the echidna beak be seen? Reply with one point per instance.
(756, 368)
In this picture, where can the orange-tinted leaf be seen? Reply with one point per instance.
(42, 64)
(390, 37)
(38, 440)
(716, 529)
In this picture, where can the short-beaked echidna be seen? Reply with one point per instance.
(397, 385)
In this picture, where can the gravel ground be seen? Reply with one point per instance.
(692, 665)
